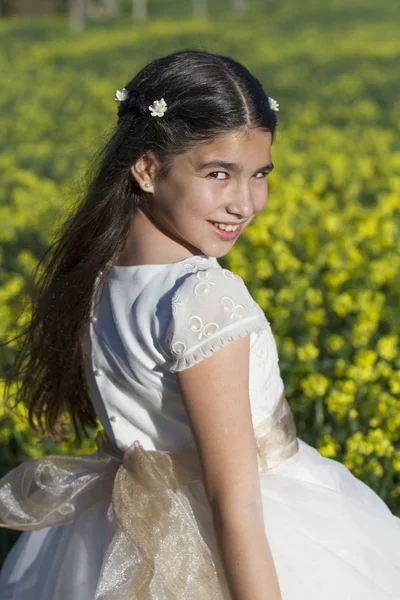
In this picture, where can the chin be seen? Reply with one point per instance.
(218, 254)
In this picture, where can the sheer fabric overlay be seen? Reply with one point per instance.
(156, 545)
(211, 308)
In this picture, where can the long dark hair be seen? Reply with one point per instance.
(207, 95)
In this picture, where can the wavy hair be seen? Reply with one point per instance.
(207, 95)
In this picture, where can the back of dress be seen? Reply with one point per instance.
(150, 321)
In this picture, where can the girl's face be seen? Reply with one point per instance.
(220, 182)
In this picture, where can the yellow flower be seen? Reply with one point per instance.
(343, 304)
(375, 467)
(314, 296)
(365, 357)
(334, 279)
(262, 297)
(384, 369)
(394, 383)
(396, 462)
(387, 347)
(362, 373)
(315, 317)
(314, 385)
(286, 295)
(289, 347)
(264, 269)
(328, 446)
(340, 367)
(334, 342)
(348, 386)
(339, 403)
(307, 352)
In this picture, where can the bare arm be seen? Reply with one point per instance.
(215, 392)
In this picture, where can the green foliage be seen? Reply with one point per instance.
(322, 258)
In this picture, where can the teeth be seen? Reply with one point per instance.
(226, 227)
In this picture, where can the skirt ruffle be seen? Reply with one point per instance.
(331, 537)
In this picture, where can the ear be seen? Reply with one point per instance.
(144, 170)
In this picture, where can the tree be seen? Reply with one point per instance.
(200, 8)
(139, 10)
(239, 6)
(111, 7)
(77, 13)
(97, 9)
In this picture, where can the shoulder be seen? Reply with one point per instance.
(210, 307)
(209, 285)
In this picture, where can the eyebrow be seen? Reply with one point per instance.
(230, 166)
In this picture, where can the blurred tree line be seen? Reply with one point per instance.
(82, 10)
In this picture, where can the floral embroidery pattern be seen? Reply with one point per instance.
(201, 262)
(175, 302)
(178, 348)
(205, 282)
(262, 358)
(228, 274)
(237, 310)
(197, 325)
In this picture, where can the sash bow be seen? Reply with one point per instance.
(156, 548)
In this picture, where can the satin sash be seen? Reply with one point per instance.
(156, 548)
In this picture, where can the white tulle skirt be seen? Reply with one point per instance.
(331, 538)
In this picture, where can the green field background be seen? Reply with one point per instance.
(322, 259)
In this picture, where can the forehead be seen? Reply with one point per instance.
(238, 146)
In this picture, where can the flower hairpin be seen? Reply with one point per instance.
(273, 104)
(121, 95)
(158, 108)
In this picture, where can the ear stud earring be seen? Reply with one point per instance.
(147, 185)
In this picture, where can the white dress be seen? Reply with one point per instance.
(331, 536)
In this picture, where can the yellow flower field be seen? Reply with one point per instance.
(322, 259)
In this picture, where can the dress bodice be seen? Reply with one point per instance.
(149, 322)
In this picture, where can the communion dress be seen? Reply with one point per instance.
(131, 521)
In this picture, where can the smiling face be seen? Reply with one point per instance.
(223, 181)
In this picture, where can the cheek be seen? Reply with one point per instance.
(261, 196)
(200, 199)
(206, 196)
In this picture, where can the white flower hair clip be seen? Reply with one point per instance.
(158, 108)
(273, 104)
(121, 95)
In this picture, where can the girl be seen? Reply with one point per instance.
(200, 488)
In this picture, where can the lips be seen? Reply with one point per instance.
(225, 235)
(224, 223)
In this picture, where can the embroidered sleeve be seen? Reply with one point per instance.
(208, 310)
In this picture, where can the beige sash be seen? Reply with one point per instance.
(156, 549)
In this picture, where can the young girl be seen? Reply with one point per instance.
(200, 488)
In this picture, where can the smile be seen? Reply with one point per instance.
(225, 227)
(225, 232)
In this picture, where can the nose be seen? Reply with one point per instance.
(242, 204)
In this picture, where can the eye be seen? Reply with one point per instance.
(263, 174)
(217, 173)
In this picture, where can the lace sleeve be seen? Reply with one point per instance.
(208, 310)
